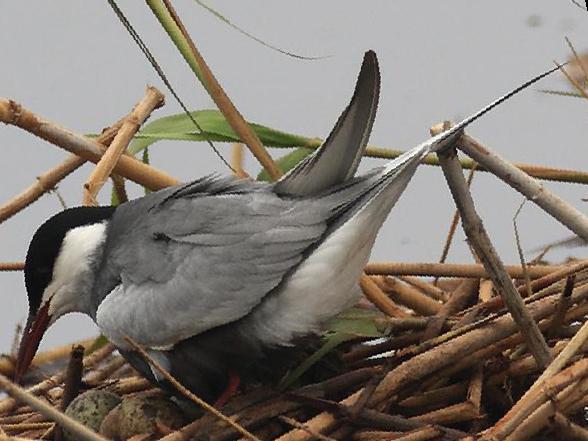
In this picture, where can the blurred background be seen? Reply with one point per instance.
(73, 63)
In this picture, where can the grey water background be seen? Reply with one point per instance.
(73, 63)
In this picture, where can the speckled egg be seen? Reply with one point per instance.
(90, 408)
(138, 415)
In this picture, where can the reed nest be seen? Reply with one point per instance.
(453, 365)
(469, 352)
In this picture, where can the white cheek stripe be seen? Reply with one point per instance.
(72, 266)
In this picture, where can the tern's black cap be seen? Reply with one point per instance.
(46, 243)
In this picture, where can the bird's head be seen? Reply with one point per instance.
(58, 274)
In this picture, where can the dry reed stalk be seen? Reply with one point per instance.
(68, 423)
(224, 103)
(152, 100)
(11, 266)
(98, 375)
(426, 287)
(443, 395)
(48, 180)
(478, 238)
(143, 174)
(456, 302)
(410, 297)
(379, 298)
(565, 213)
(129, 385)
(472, 271)
(180, 388)
(237, 160)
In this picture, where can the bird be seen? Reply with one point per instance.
(213, 276)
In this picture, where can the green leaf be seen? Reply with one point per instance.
(99, 342)
(330, 344)
(114, 201)
(215, 127)
(287, 162)
(351, 324)
(358, 323)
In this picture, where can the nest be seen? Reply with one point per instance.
(484, 352)
(453, 364)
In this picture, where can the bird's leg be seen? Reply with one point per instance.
(230, 390)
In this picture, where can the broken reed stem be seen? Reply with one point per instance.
(89, 149)
(475, 271)
(152, 100)
(73, 376)
(535, 191)
(196, 62)
(79, 430)
(478, 238)
(48, 180)
(180, 388)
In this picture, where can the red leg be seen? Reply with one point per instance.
(231, 389)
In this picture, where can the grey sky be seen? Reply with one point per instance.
(72, 62)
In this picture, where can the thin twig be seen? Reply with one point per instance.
(180, 388)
